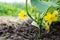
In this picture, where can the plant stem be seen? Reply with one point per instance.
(28, 12)
(35, 13)
(40, 28)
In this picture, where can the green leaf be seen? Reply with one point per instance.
(50, 0)
(35, 24)
(58, 2)
(42, 6)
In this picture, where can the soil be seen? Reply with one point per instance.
(26, 31)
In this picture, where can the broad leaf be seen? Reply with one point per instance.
(50, 0)
(42, 6)
(35, 24)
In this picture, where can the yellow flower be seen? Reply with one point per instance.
(55, 12)
(22, 15)
(50, 17)
(53, 17)
(47, 16)
(47, 27)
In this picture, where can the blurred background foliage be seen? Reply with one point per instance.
(11, 9)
